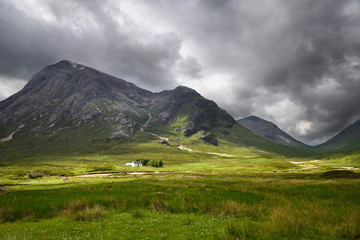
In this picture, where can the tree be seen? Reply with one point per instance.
(156, 163)
(144, 161)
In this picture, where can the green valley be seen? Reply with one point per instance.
(65, 168)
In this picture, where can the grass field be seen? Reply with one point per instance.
(251, 194)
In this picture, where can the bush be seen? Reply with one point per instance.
(156, 163)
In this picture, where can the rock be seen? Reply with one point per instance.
(164, 116)
(124, 133)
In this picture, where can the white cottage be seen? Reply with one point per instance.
(134, 164)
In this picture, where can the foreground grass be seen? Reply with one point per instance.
(272, 206)
(117, 225)
(248, 195)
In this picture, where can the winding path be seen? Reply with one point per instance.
(8, 138)
(147, 122)
(156, 135)
(180, 146)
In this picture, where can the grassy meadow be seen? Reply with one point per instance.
(247, 194)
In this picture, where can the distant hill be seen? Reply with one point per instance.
(270, 131)
(346, 140)
(68, 108)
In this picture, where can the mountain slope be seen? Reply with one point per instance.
(269, 131)
(71, 96)
(67, 94)
(71, 108)
(346, 140)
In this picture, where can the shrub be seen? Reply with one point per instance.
(156, 163)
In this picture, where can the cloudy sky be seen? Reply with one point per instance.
(296, 63)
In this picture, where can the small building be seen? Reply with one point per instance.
(134, 164)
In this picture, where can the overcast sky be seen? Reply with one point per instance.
(295, 63)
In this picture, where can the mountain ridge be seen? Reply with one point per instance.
(70, 108)
(346, 140)
(69, 95)
(71, 92)
(269, 131)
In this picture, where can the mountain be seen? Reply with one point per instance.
(270, 131)
(346, 140)
(70, 108)
(69, 96)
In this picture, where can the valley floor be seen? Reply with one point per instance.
(194, 196)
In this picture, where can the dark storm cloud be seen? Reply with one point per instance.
(24, 44)
(326, 59)
(88, 32)
(293, 62)
(296, 63)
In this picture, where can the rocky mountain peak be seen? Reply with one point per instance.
(69, 94)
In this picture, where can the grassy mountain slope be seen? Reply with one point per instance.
(270, 131)
(346, 140)
(70, 108)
